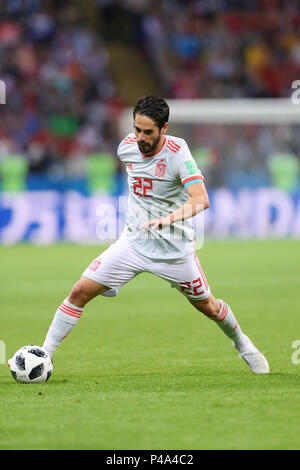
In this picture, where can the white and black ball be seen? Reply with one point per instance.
(31, 364)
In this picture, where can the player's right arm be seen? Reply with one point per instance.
(124, 151)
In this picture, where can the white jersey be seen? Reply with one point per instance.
(157, 186)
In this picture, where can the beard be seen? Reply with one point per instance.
(149, 149)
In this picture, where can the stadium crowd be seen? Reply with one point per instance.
(62, 104)
(216, 48)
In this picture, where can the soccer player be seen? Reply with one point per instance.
(166, 189)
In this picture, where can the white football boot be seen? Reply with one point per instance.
(254, 358)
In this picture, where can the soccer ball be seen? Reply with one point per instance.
(31, 364)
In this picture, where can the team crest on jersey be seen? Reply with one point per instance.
(160, 170)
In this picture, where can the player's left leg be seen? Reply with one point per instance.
(187, 276)
(221, 313)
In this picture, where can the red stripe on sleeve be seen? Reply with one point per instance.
(192, 178)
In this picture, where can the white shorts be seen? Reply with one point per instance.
(120, 263)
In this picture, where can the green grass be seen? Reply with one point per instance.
(145, 370)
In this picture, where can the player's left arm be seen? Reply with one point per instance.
(197, 202)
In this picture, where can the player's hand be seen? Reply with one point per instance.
(156, 224)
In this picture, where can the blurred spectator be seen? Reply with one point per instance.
(284, 170)
(101, 170)
(13, 168)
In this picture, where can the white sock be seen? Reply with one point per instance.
(228, 323)
(65, 318)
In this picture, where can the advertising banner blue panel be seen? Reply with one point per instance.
(46, 217)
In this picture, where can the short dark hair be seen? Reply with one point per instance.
(154, 107)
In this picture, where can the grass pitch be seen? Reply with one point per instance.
(145, 370)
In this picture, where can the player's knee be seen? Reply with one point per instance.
(209, 310)
(78, 295)
(209, 307)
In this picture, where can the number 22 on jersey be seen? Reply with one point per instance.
(142, 186)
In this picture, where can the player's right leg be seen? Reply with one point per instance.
(104, 276)
(85, 290)
(69, 312)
